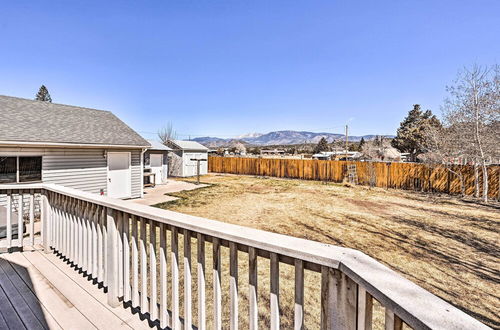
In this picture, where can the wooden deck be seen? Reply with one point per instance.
(42, 291)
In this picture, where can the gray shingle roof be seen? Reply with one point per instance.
(23, 120)
(187, 145)
(157, 145)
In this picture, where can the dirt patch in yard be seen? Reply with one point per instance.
(448, 246)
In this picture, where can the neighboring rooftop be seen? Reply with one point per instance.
(33, 121)
(157, 145)
(187, 145)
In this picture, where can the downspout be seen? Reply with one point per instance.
(143, 150)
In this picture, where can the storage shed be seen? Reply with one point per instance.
(156, 161)
(183, 160)
(87, 149)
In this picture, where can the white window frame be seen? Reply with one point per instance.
(17, 166)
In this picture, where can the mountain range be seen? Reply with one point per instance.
(279, 138)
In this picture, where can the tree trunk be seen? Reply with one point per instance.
(476, 181)
(498, 185)
(485, 183)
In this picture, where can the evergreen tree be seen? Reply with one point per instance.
(321, 146)
(411, 133)
(43, 94)
(361, 144)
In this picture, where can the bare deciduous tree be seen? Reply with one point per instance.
(471, 115)
(441, 147)
(167, 133)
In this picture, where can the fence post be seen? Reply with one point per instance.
(112, 258)
(45, 217)
(388, 175)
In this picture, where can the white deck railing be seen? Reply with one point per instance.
(114, 241)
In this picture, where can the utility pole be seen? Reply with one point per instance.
(346, 140)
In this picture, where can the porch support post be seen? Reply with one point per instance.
(112, 257)
(46, 218)
(338, 300)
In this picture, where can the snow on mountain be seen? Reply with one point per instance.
(249, 135)
(279, 138)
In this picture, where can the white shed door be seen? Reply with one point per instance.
(119, 175)
(156, 161)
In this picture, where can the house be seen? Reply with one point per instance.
(183, 160)
(337, 155)
(272, 151)
(87, 149)
(156, 161)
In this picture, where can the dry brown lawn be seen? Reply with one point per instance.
(449, 247)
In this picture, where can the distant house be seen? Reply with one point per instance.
(272, 151)
(184, 156)
(87, 149)
(156, 161)
(337, 155)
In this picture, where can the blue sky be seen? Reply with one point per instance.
(226, 68)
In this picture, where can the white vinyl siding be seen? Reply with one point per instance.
(181, 164)
(83, 169)
(136, 173)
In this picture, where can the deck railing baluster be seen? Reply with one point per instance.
(365, 309)
(100, 245)
(144, 267)
(95, 241)
(8, 215)
(126, 257)
(66, 217)
(217, 284)
(84, 235)
(72, 230)
(153, 293)
(20, 220)
(105, 245)
(90, 241)
(119, 228)
(392, 321)
(32, 217)
(176, 322)
(188, 319)
(233, 285)
(135, 263)
(275, 291)
(252, 288)
(163, 277)
(299, 295)
(201, 282)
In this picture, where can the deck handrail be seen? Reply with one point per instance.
(350, 278)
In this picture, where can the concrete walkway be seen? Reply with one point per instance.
(157, 195)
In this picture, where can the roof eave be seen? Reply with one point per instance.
(69, 145)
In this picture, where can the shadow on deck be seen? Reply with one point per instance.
(42, 291)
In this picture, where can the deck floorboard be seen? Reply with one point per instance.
(41, 291)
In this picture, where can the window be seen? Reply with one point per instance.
(30, 169)
(20, 169)
(8, 169)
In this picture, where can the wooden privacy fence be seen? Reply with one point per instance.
(411, 176)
